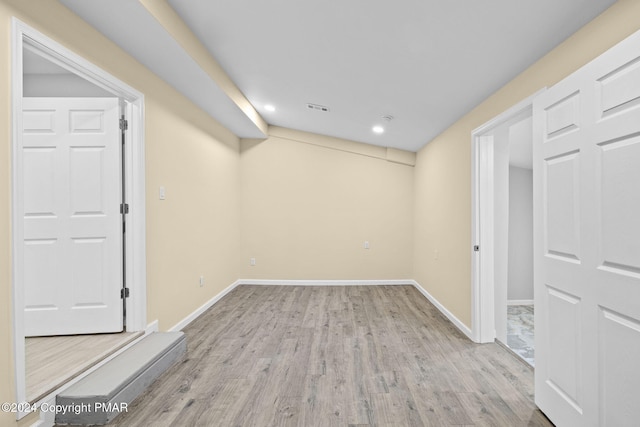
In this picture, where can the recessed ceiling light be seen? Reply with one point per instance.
(270, 108)
(378, 129)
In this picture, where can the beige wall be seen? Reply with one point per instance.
(308, 208)
(443, 167)
(194, 232)
(301, 204)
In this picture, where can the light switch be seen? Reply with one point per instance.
(162, 193)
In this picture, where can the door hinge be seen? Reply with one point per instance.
(124, 293)
(124, 124)
(476, 248)
(124, 208)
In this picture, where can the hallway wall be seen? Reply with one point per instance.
(194, 232)
(520, 279)
(307, 208)
(443, 167)
(421, 221)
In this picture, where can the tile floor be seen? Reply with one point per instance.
(520, 337)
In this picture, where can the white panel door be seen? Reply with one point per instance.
(72, 249)
(587, 243)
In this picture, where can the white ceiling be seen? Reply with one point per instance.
(424, 62)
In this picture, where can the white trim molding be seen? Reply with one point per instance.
(25, 37)
(204, 307)
(482, 309)
(520, 302)
(261, 282)
(457, 322)
(270, 282)
(325, 282)
(449, 315)
(482, 225)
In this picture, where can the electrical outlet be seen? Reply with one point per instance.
(252, 262)
(162, 194)
(201, 281)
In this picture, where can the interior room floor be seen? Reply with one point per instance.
(520, 333)
(335, 356)
(53, 361)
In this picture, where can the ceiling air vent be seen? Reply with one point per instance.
(318, 107)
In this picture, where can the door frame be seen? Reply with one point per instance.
(483, 324)
(24, 36)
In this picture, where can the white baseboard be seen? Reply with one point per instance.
(463, 328)
(47, 420)
(520, 302)
(324, 282)
(191, 317)
(152, 327)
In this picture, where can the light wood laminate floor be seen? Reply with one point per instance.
(335, 356)
(53, 361)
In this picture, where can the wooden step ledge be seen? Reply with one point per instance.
(105, 393)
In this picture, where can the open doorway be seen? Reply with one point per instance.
(44, 70)
(65, 112)
(502, 229)
(71, 181)
(520, 307)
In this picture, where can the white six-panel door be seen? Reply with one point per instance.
(587, 243)
(71, 182)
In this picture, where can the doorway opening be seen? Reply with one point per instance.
(519, 264)
(43, 68)
(502, 231)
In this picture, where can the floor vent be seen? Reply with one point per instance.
(105, 393)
